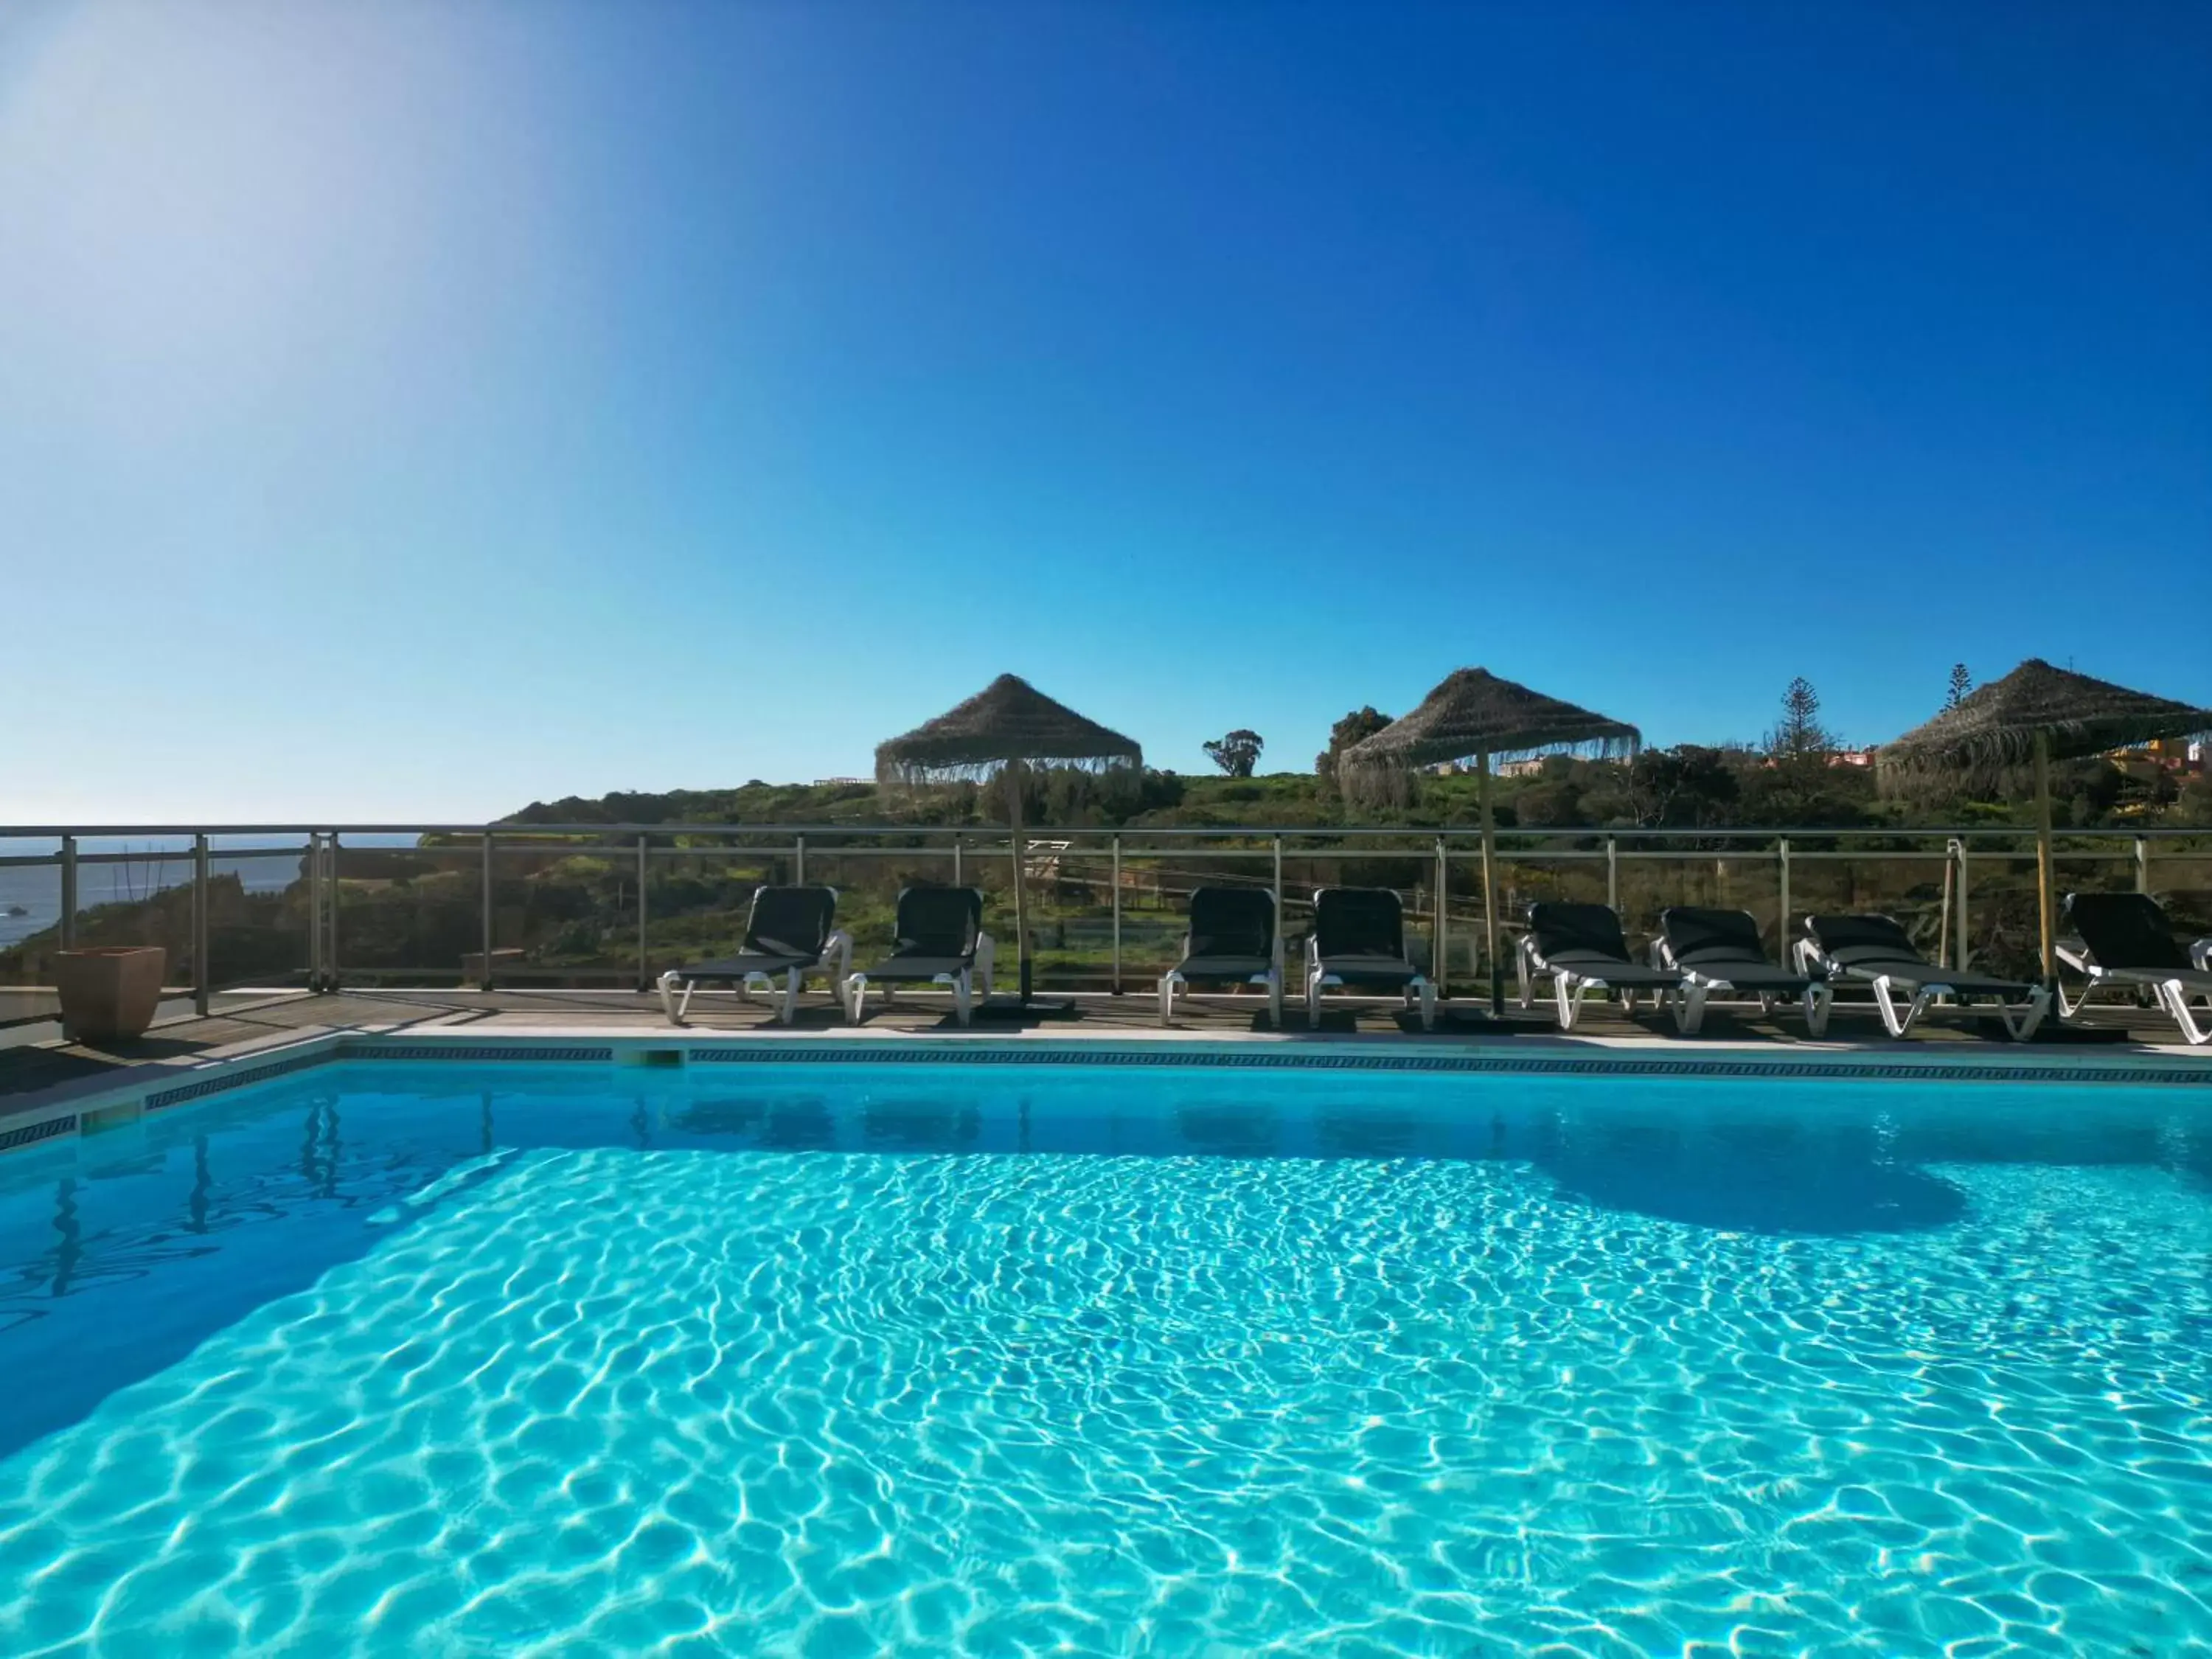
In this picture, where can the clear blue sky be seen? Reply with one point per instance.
(417, 408)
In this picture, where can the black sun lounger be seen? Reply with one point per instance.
(1358, 943)
(1581, 947)
(1720, 950)
(1874, 950)
(2127, 941)
(788, 935)
(1231, 942)
(940, 941)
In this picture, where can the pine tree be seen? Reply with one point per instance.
(1800, 735)
(1961, 683)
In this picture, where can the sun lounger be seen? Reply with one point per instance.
(1581, 947)
(940, 941)
(1358, 943)
(1720, 950)
(788, 935)
(1874, 950)
(2126, 941)
(1231, 942)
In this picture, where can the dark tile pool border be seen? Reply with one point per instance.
(29, 1134)
(237, 1075)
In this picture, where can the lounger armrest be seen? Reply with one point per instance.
(2201, 954)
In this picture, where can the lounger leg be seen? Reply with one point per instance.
(1690, 1008)
(963, 997)
(683, 1002)
(666, 984)
(1570, 1001)
(1167, 998)
(1884, 1002)
(2069, 1009)
(1428, 1007)
(1528, 980)
(790, 996)
(2038, 1005)
(1819, 999)
(1313, 997)
(856, 998)
(2173, 997)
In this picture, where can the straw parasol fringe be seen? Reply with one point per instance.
(1990, 737)
(1009, 719)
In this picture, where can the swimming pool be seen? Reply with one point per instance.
(504, 1358)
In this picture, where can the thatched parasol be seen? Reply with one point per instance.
(1474, 715)
(1006, 727)
(2032, 716)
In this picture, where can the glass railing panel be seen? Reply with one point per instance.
(30, 918)
(699, 893)
(258, 913)
(409, 914)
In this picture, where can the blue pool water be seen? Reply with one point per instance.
(1002, 1360)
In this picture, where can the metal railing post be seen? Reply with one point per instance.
(330, 932)
(68, 892)
(798, 863)
(2143, 864)
(1611, 874)
(1439, 963)
(313, 873)
(1782, 939)
(1278, 891)
(959, 878)
(201, 979)
(483, 962)
(644, 971)
(1117, 915)
(1964, 957)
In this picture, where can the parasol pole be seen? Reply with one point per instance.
(1489, 887)
(2045, 899)
(1013, 770)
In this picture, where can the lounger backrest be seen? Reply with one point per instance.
(2125, 930)
(1695, 934)
(791, 921)
(1846, 940)
(939, 921)
(1591, 929)
(1359, 921)
(1232, 922)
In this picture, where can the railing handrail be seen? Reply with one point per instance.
(1040, 832)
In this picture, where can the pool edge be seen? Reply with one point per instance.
(87, 1106)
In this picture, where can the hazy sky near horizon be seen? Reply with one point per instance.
(414, 410)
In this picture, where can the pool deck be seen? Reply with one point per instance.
(39, 1071)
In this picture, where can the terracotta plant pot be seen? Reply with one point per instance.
(109, 990)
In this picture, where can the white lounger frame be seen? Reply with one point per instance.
(962, 984)
(2170, 994)
(2019, 1025)
(1272, 979)
(1698, 985)
(1419, 989)
(1570, 985)
(838, 944)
